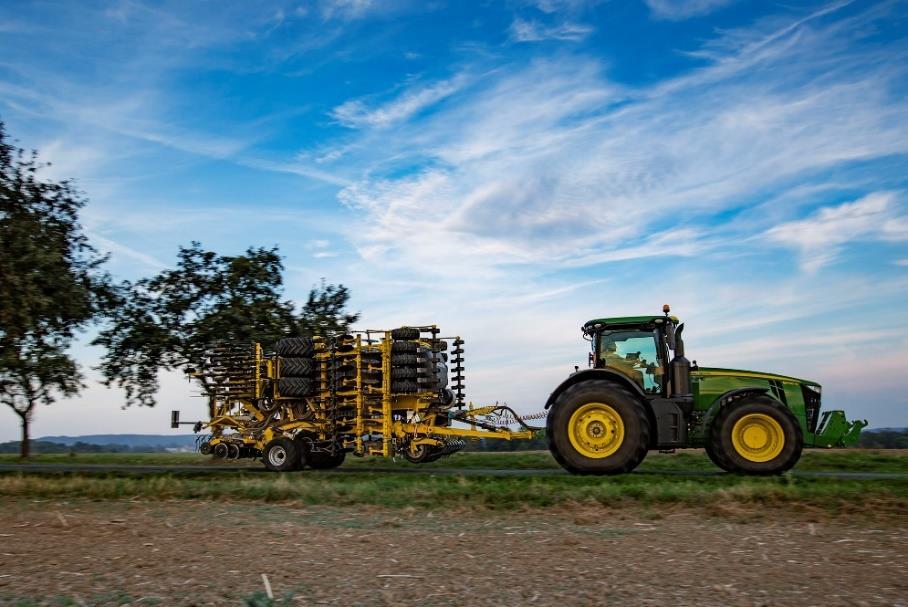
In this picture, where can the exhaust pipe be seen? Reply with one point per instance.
(680, 367)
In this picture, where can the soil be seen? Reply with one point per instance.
(206, 553)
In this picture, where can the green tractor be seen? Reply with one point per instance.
(636, 397)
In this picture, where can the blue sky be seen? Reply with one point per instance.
(505, 169)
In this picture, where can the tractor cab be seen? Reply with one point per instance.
(638, 347)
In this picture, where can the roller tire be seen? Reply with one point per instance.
(632, 449)
(404, 347)
(721, 441)
(281, 455)
(295, 347)
(296, 387)
(401, 360)
(298, 367)
(403, 372)
(405, 333)
(404, 386)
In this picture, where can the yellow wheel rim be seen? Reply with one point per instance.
(757, 437)
(596, 430)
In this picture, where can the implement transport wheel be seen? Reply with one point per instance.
(281, 455)
(757, 435)
(323, 460)
(598, 427)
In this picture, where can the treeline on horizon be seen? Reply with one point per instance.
(80, 447)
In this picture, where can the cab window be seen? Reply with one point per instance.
(634, 354)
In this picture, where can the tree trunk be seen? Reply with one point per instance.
(24, 446)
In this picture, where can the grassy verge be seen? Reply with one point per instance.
(850, 460)
(475, 492)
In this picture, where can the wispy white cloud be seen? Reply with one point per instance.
(554, 164)
(106, 245)
(570, 6)
(357, 113)
(676, 10)
(533, 31)
(821, 237)
(347, 9)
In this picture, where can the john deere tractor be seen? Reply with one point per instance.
(641, 393)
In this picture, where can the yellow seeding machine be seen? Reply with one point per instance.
(311, 401)
(388, 393)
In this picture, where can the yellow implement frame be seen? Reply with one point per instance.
(355, 403)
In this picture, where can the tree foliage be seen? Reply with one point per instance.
(52, 283)
(165, 322)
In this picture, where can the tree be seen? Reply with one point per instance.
(166, 322)
(52, 285)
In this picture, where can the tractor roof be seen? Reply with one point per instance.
(624, 321)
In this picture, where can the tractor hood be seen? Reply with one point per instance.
(743, 373)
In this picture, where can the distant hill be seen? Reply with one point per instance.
(159, 441)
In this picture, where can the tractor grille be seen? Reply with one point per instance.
(811, 407)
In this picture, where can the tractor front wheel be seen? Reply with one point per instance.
(598, 427)
(756, 435)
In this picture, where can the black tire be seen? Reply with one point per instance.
(423, 455)
(297, 367)
(629, 452)
(281, 455)
(400, 360)
(295, 347)
(296, 386)
(717, 458)
(404, 386)
(220, 450)
(440, 345)
(205, 448)
(302, 449)
(404, 347)
(721, 441)
(403, 372)
(322, 460)
(405, 333)
(267, 405)
(233, 451)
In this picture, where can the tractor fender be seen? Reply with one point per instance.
(590, 374)
(726, 398)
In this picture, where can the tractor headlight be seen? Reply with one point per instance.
(813, 388)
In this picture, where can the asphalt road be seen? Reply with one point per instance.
(197, 470)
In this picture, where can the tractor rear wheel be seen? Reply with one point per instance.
(717, 458)
(598, 427)
(281, 455)
(757, 435)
